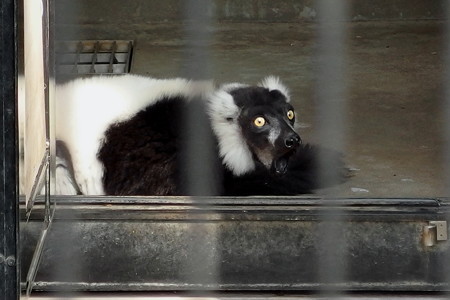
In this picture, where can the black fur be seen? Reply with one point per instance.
(302, 176)
(142, 156)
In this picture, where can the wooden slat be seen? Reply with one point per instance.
(35, 127)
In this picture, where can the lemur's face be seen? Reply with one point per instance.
(267, 123)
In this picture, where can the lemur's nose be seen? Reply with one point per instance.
(293, 140)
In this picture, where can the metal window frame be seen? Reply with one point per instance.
(9, 204)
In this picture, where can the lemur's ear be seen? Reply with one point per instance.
(277, 94)
(274, 83)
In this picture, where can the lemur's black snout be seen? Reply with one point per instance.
(293, 140)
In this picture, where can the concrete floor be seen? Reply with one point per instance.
(394, 139)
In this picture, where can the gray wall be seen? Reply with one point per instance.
(156, 11)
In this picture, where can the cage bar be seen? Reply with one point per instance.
(94, 58)
(201, 267)
(112, 57)
(446, 102)
(9, 216)
(77, 58)
(128, 57)
(446, 116)
(331, 123)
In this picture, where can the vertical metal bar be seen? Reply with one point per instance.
(128, 62)
(51, 63)
(77, 58)
(202, 263)
(330, 122)
(446, 131)
(9, 218)
(111, 57)
(196, 67)
(35, 261)
(39, 182)
(331, 79)
(94, 58)
(48, 73)
(446, 109)
(70, 270)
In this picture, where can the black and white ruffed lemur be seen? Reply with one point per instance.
(124, 137)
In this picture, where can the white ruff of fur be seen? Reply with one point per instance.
(233, 149)
(274, 83)
(87, 107)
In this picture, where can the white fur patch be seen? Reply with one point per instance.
(85, 108)
(233, 149)
(274, 83)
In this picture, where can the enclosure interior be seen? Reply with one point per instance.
(394, 55)
(394, 73)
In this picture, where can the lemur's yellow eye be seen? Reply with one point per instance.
(260, 121)
(290, 114)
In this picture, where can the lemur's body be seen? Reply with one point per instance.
(124, 135)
